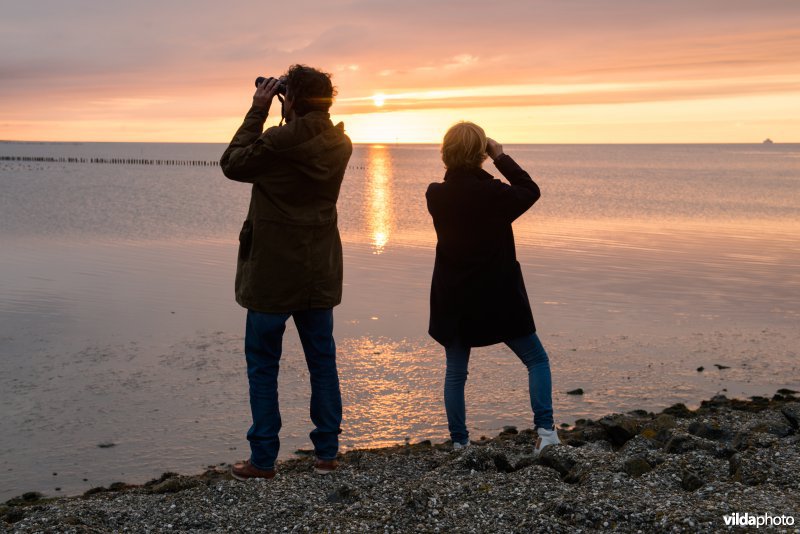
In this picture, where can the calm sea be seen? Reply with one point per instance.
(118, 325)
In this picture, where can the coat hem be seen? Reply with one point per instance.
(266, 308)
(481, 342)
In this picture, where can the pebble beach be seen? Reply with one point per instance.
(678, 470)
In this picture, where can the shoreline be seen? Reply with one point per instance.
(678, 469)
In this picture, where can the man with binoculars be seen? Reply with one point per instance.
(290, 255)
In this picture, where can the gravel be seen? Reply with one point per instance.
(676, 471)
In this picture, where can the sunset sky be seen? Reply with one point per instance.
(588, 71)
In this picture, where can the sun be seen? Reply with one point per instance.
(379, 99)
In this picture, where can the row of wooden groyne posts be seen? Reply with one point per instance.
(125, 161)
(114, 161)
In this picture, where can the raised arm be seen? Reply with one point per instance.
(515, 199)
(247, 153)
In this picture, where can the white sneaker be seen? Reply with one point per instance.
(545, 439)
(460, 446)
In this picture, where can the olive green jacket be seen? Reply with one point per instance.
(290, 252)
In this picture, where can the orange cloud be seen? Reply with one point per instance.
(124, 71)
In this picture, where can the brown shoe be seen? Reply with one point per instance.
(244, 470)
(325, 467)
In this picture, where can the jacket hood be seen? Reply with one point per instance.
(314, 145)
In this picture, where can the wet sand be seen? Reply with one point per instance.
(631, 338)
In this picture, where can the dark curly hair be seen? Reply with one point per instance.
(310, 89)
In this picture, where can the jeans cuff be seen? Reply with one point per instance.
(259, 466)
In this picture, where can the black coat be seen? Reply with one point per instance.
(477, 292)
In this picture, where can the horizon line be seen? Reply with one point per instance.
(407, 143)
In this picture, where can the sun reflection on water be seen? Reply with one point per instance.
(378, 206)
(391, 390)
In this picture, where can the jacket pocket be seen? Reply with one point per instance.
(246, 240)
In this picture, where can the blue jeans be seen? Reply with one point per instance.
(262, 347)
(529, 349)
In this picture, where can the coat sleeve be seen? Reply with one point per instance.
(513, 200)
(248, 154)
(429, 193)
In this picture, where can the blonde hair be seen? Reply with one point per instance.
(464, 146)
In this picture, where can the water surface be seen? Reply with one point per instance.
(118, 325)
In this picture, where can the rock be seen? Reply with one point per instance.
(648, 433)
(734, 465)
(709, 431)
(590, 432)
(640, 445)
(106, 445)
(678, 410)
(501, 463)
(510, 429)
(344, 493)
(72, 520)
(164, 476)
(757, 403)
(477, 458)
(600, 446)
(745, 471)
(577, 474)
(754, 405)
(680, 443)
(636, 466)
(663, 421)
(94, 491)
(781, 430)
(658, 438)
(14, 515)
(212, 474)
(30, 497)
(663, 436)
(700, 369)
(691, 481)
(25, 498)
(746, 439)
(792, 414)
(578, 391)
(723, 452)
(417, 500)
(715, 402)
(424, 444)
(553, 458)
(563, 508)
(174, 485)
(620, 428)
(523, 462)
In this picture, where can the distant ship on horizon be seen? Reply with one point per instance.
(767, 141)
